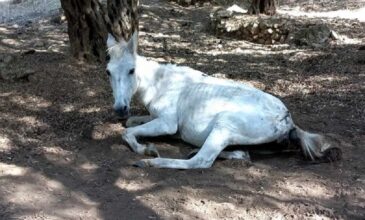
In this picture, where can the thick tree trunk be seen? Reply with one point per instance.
(263, 7)
(89, 22)
(86, 28)
(123, 18)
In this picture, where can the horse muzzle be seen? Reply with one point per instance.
(122, 111)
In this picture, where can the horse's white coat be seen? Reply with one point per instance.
(207, 112)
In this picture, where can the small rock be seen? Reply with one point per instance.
(237, 9)
(254, 29)
(334, 35)
(276, 36)
(262, 25)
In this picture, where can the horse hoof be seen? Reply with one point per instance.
(151, 150)
(140, 164)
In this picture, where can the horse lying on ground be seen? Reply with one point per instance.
(204, 111)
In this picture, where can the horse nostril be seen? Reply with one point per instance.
(122, 111)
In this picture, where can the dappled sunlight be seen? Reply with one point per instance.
(329, 78)
(357, 14)
(200, 208)
(5, 143)
(11, 170)
(306, 188)
(10, 42)
(5, 30)
(88, 167)
(30, 102)
(90, 110)
(31, 121)
(57, 155)
(299, 56)
(49, 198)
(67, 108)
(133, 185)
(90, 92)
(257, 192)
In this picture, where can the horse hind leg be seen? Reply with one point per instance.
(227, 155)
(237, 154)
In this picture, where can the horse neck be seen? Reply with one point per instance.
(147, 72)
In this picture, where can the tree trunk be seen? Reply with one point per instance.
(89, 22)
(123, 18)
(263, 7)
(86, 28)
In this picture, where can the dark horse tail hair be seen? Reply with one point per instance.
(315, 147)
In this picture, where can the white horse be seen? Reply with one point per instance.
(207, 112)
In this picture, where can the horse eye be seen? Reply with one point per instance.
(108, 72)
(131, 71)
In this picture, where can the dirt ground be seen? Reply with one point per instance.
(61, 155)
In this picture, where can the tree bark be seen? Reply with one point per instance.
(262, 7)
(89, 23)
(123, 18)
(86, 28)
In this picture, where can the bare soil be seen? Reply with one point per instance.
(61, 155)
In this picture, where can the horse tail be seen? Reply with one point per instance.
(315, 146)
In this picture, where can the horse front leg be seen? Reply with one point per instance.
(217, 140)
(156, 127)
(138, 120)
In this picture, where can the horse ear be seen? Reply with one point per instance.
(133, 43)
(111, 41)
